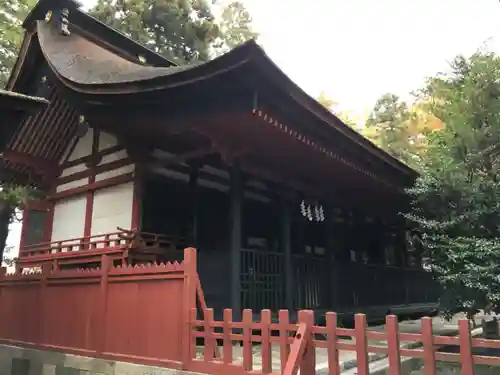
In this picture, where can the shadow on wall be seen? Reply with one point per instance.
(447, 368)
(22, 361)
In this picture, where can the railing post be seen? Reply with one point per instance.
(393, 344)
(3, 272)
(429, 350)
(308, 364)
(298, 357)
(227, 348)
(247, 340)
(333, 352)
(361, 344)
(189, 302)
(284, 322)
(43, 298)
(466, 348)
(266, 355)
(101, 321)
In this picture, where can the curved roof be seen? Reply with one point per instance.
(11, 101)
(99, 70)
(88, 68)
(14, 109)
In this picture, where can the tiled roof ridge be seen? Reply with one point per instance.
(13, 94)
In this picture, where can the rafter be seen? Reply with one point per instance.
(38, 164)
(186, 156)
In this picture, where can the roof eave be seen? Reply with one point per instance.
(100, 30)
(310, 104)
(13, 101)
(248, 52)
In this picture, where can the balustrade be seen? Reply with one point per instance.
(322, 283)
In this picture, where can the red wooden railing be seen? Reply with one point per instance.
(152, 301)
(124, 245)
(107, 299)
(122, 238)
(298, 343)
(106, 240)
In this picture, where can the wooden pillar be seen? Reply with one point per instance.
(193, 188)
(235, 208)
(331, 247)
(286, 240)
(138, 196)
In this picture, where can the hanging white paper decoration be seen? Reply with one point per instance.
(303, 208)
(316, 213)
(309, 212)
(321, 214)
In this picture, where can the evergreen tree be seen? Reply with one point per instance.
(456, 201)
(332, 106)
(236, 25)
(390, 118)
(183, 31)
(12, 14)
(401, 129)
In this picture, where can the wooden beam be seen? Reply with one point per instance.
(286, 241)
(113, 181)
(278, 178)
(189, 155)
(96, 170)
(37, 163)
(89, 158)
(235, 207)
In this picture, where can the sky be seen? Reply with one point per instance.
(357, 50)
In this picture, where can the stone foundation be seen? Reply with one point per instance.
(21, 361)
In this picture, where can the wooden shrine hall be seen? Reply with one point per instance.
(138, 158)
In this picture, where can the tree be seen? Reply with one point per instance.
(456, 200)
(332, 105)
(390, 119)
(8, 258)
(180, 30)
(400, 129)
(12, 14)
(236, 25)
(184, 31)
(12, 198)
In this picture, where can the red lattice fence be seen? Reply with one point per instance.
(298, 343)
(148, 315)
(133, 314)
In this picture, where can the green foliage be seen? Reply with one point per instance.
(456, 201)
(390, 119)
(12, 13)
(332, 105)
(236, 25)
(184, 31)
(401, 129)
(13, 196)
(8, 258)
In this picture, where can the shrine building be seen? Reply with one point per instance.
(137, 158)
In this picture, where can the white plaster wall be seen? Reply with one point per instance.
(106, 140)
(74, 169)
(112, 208)
(122, 154)
(69, 218)
(72, 184)
(83, 146)
(115, 172)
